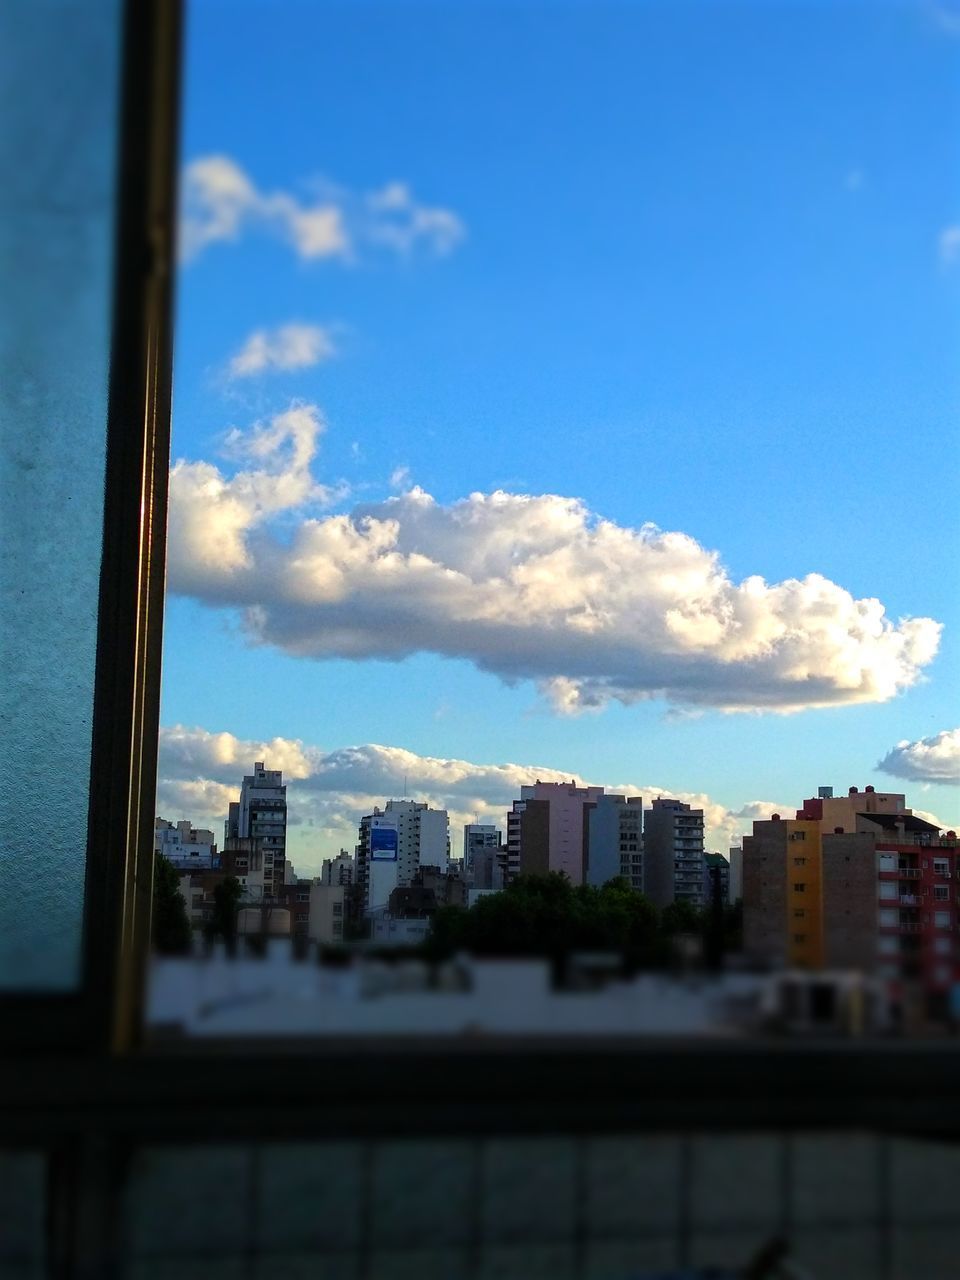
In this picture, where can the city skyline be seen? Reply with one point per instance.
(575, 424)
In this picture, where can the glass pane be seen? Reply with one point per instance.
(60, 78)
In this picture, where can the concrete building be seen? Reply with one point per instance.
(326, 909)
(878, 896)
(715, 864)
(338, 870)
(483, 855)
(261, 814)
(394, 843)
(673, 853)
(185, 846)
(547, 830)
(735, 858)
(615, 840)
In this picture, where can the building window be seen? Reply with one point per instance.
(941, 919)
(798, 913)
(799, 862)
(799, 937)
(941, 893)
(941, 867)
(943, 946)
(799, 886)
(337, 909)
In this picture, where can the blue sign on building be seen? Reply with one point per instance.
(383, 844)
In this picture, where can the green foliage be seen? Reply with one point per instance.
(226, 904)
(170, 924)
(547, 916)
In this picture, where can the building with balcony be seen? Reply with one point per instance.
(673, 853)
(879, 896)
(185, 846)
(394, 843)
(261, 814)
(339, 870)
(547, 830)
(615, 840)
(483, 854)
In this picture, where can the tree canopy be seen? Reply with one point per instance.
(170, 924)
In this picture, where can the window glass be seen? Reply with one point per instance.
(60, 75)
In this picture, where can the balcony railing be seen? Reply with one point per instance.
(908, 873)
(910, 899)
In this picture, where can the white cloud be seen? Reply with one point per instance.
(221, 202)
(934, 759)
(328, 791)
(526, 587)
(214, 521)
(400, 478)
(291, 346)
(950, 244)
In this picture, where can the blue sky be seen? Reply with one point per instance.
(692, 266)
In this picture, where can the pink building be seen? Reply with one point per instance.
(547, 829)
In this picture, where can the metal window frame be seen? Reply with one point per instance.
(103, 1012)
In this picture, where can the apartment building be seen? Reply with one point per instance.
(877, 893)
(394, 843)
(261, 814)
(187, 847)
(615, 840)
(339, 870)
(547, 830)
(483, 855)
(673, 853)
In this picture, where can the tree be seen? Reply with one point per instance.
(170, 924)
(226, 904)
(546, 916)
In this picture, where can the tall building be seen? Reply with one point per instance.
(547, 830)
(673, 853)
(394, 843)
(482, 855)
(876, 893)
(339, 870)
(615, 840)
(716, 871)
(261, 814)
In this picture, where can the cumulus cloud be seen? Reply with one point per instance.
(934, 759)
(221, 203)
(329, 790)
(525, 587)
(291, 346)
(215, 521)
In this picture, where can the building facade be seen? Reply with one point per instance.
(615, 840)
(547, 830)
(673, 853)
(261, 814)
(877, 893)
(394, 843)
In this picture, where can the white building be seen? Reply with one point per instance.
(339, 870)
(394, 842)
(189, 848)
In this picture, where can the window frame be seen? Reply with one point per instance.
(103, 1011)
